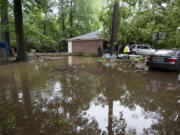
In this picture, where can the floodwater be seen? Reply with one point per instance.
(79, 96)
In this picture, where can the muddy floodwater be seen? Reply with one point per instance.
(81, 96)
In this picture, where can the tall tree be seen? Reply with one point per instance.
(21, 52)
(63, 11)
(71, 17)
(4, 21)
(114, 26)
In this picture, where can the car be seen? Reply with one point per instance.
(168, 59)
(142, 49)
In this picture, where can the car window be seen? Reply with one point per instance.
(139, 47)
(178, 54)
(146, 47)
(165, 52)
(133, 47)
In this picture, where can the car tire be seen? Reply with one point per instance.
(150, 67)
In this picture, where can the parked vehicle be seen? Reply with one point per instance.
(165, 59)
(142, 50)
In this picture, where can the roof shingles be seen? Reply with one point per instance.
(96, 35)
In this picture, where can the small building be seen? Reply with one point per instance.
(88, 43)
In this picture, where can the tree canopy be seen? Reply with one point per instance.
(139, 20)
(48, 24)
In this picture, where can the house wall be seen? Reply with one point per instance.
(89, 47)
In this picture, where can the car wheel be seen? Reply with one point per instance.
(150, 68)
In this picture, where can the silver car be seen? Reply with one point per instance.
(142, 49)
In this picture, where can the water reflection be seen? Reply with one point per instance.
(35, 98)
(70, 60)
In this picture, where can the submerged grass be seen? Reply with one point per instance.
(82, 54)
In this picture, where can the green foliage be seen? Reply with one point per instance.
(139, 20)
(43, 22)
(47, 24)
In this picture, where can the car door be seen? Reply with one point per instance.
(139, 49)
(146, 50)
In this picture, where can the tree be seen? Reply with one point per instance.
(4, 21)
(71, 17)
(21, 52)
(63, 12)
(139, 20)
(114, 26)
(47, 24)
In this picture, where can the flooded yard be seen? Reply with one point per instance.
(79, 96)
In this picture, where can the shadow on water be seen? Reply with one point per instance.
(49, 98)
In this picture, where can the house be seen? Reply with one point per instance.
(87, 43)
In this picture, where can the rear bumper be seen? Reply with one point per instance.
(171, 66)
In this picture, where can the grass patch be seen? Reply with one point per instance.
(82, 54)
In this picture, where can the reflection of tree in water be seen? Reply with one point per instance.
(46, 111)
(9, 106)
(161, 101)
(164, 103)
(119, 125)
(112, 91)
(63, 115)
(133, 89)
(78, 89)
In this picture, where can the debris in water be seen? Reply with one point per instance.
(120, 69)
(140, 66)
(123, 56)
(178, 101)
(67, 69)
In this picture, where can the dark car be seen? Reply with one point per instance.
(165, 59)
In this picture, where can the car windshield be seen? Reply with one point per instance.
(165, 52)
(133, 46)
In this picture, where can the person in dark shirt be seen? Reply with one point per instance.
(100, 52)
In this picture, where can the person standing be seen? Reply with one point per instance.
(100, 52)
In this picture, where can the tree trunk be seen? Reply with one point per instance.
(4, 22)
(63, 25)
(21, 51)
(71, 17)
(110, 117)
(114, 27)
(63, 16)
(45, 24)
(64, 28)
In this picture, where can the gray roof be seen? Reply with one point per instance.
(96, 35)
